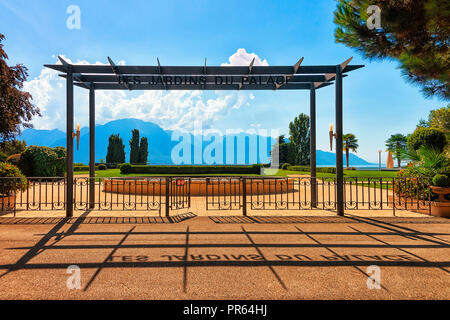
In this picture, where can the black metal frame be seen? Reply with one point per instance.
(117, 77)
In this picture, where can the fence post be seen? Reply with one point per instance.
(168, 185)
(207, 184)
(244, 196)
(393, 196)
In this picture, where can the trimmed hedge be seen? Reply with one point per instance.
(441, 180)
(285, 166)
(308, 169)
(80, 168)
(252, 169)
(86, 168)
(125, 168)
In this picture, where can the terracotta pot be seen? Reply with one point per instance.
(440, 207)
(7, 202)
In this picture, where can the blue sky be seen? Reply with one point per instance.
(377, 101)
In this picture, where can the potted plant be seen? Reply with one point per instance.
(11, 181)
(441, 187)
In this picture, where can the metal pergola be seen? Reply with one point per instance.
(121, 77)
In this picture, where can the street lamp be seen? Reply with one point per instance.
(331, 136)
(77, 134)
(379, 160)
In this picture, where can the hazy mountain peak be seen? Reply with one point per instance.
(160, 144)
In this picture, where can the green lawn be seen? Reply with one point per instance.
(116, 173)
(386, 175)
(347, 173)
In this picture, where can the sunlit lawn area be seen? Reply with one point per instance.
(385, 175)
(361, 175)
(116, 173)
(347, 173)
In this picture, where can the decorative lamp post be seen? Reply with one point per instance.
(379, 159)
(331, 136)
(77, 134)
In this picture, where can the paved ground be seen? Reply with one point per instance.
(192, 257)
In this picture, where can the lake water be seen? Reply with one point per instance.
(364, 167)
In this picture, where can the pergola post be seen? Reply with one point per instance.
(312, 145)
(339, 147)
(69, 142)
(91, 146)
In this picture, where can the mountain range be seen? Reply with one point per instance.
(161, 144)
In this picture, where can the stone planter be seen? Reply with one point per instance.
(441, 192)
(197, 187)
(440, 207)
(7, 203)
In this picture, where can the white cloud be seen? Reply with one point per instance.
(170, 110)
(242, 58)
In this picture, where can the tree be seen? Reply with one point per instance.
(16, 109)
(299, 130)
(423, 124)
(292, 153)
(116, 150)
(431, 137)
(134, 147)
(143, 151)
(282, 150)
(396, 144)
(437, 118)
(440, 119)
(12, 147)
(349, 143)
(414, 33)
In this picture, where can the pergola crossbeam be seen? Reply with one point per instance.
(160, 72)
(260, 79)
(117, 72)
(289, 86)
(286, 77)
(199, 70)
(204, 72)
(250, 68)
(80, 81)
(67, 67)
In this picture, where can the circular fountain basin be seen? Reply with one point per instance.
(216, 186)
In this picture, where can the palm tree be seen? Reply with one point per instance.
(432, 158)
(396, 144)
(349, 143)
